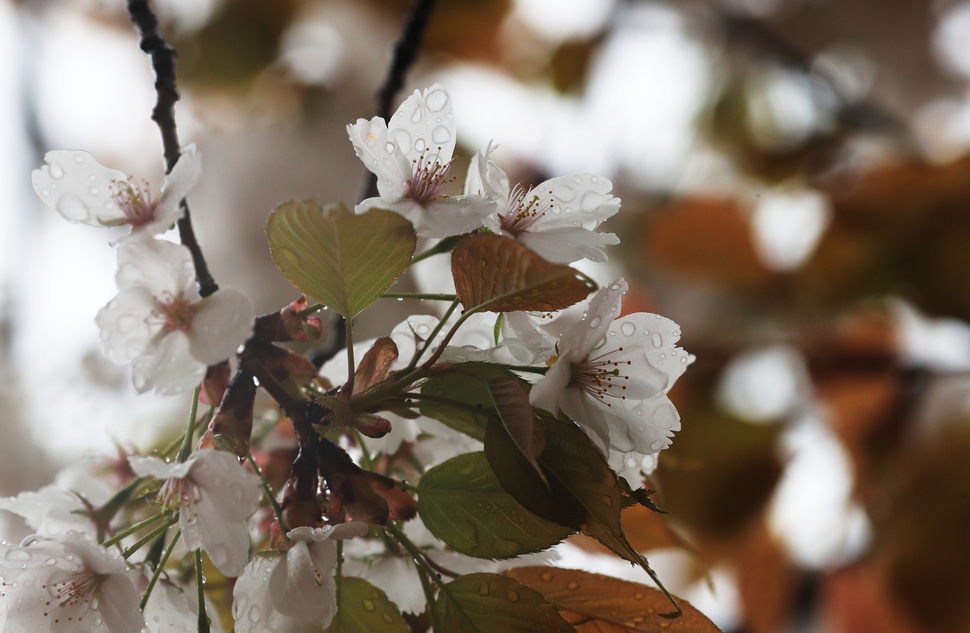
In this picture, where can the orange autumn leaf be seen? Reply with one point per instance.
(594, 603)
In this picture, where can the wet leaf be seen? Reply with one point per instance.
(363, 608)
(596, 603)
(339, 259)
(465, 385)
(489, 603)
(463, 504)
(497, 274)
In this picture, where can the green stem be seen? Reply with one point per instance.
(419, 353)
(418, 295)
(443, 246)
(451, 333)
(200, 582)
(269, 494)
(425, 573)
(307, 311)
(351, 367)
(365, 459)
(132, 529)
(158, 569)
(186, 449)
(148, 538)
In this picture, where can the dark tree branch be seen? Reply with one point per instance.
(405, 52)
(163, 63)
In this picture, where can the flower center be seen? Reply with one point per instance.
(524, 210)
(76, 595)
(428, 177)
(175, 312)
(134, 200)
(601, 377)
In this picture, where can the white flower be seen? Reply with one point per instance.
(556, 219)
(171, 609)
(65, 586)
(280, 592)
(158, 321)
(411, 156)
(612, 377)
(214, 495)
(82, 190)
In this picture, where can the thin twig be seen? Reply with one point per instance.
(405, 52)
(163, 63)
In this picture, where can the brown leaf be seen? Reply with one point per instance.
(375, 365)
(592, 602)
(497, 274)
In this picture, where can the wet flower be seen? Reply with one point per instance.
(613, 374)
(82, 190)
(556, 219)
(214, 495)
(158, 321)
(66, 585)
(280, 591)
(411, 155)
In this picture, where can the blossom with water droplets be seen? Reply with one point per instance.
(411, 155)
(158, 322)
(214, 495)
(612, 377)
(556, 219)
(281, 591)
(66, 585)
(82, 190)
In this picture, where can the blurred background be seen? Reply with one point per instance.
(796, 195)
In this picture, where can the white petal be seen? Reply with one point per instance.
(546, 393)
(580, 338)
(168, 611)
(118, 605)
(487, 179)
(565, 245)
(303, 590)
(234, 491)
(590, 416)
(78, 187)
(158, 468)
(452, 215)
(226, 542)
(183, 178)
(169, 368)
(581, 199)
(223, 321)
(252, 605)
(646, 426)
(520, 327)
(49, 511)
(123, 323)
(157, 265)
(381, 157)
(424, 123)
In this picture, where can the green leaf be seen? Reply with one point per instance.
(498, 274)
(466, 386)
(339, 259)
(363, 608)
(463, 504)
(488, 603)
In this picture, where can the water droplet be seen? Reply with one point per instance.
(93, 190)
(55, 171)
(436, 100)
(657, 445)
(628, 328)
(441, 134)
(639, 411)
(50, 561)
(683, 360)
(16, 554)
(513, 596)
(573, 586)
(546, 575)
(594, 179)
(72, 208)
(291, 256)
(595, 323)
(389, 147)
(387, 618)
(657, 340)
(420, 145)
(416, 115)
(483, 589)
(368, 605)
(45, 192)
(254, 614)
(78, 159)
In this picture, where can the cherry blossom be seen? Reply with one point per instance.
(282, 591)
(66, 585)
(411, 155)
(556, 219)
(613, 374)
(214, 495)
(158, 321)
(82, 190)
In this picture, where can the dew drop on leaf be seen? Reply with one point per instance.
(513, 596)
(368, 605)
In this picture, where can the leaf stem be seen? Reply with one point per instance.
(437, 328)
(200, 583)
(351, 366)
(131, 529)
(158, 569)
(186, 448)
(277, 510)
(148, 538)
(444, 246)
(418, 295)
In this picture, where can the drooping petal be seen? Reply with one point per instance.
(546, 393)
(424, 123)
(169, 367)
(158, 468)
(252, 605)
(221, 323)
(488, 180)
(565, 245)
(78, 187)
(590, 416)
(646, 427)
(124, 326)
(235, 491)
(303, 591)
(50, 511)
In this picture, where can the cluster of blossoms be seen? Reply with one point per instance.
(339, 504)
